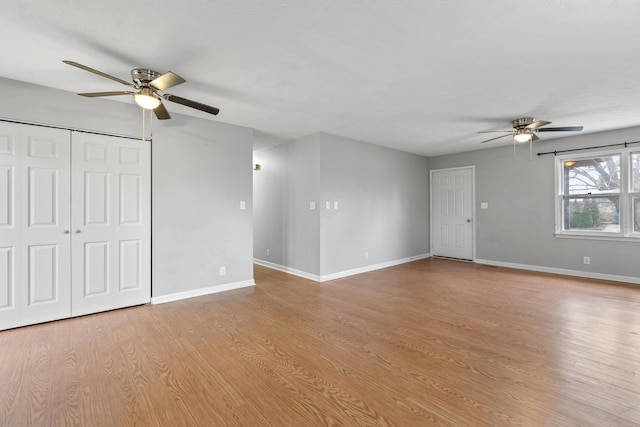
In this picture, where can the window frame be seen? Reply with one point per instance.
(625, 195)
(633, 194)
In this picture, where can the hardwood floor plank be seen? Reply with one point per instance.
(433, 342)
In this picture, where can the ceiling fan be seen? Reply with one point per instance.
(147, 85)
(526, 127)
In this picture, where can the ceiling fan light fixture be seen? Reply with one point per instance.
(146, 100)
(522, 136)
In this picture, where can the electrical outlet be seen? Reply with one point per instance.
(366, 255)
(223, 270)
(587, 260)
(268, 253)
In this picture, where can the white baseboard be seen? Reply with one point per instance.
(288, 270)
(201, 291)
(368, 268)
(566, 272)
(341, 274)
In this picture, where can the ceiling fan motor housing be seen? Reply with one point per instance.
(523, 122)
(142, 76)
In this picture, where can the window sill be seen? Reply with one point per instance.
(609, 237)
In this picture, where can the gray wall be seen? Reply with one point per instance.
(284, 225)
(519, 225)
(383, 205)
(201, 170)
(382, 197)
(201, 173)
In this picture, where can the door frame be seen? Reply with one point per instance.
(473, 206)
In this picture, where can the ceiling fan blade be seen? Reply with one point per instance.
(193, 104)
(536, 125)
(96, 94)
(497, 137)
(492, 131)
(161, 112)
(100, 73)
(562, 129)
(166, 81)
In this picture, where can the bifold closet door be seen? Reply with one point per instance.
(34, 225)
(75, 224)
(111, 216)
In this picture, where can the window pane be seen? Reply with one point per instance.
(592, 176)
(635, 172)
(595, 214)
(636, 215)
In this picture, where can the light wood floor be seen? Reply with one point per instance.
(433, 342)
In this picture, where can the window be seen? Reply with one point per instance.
(635, 189)
(599, 194)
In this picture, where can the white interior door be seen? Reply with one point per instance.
(111, 211)
(34, 225)
(75, 224)
(452, 213)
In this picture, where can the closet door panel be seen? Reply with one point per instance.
(7, 195)
(97, 202)
(45, 263)
(112, 217)
(10, 161)
(133, 233)
(9, 235)
(96, 268)
(131, 265)
(93, 220)
(43, 274)
(7, 281)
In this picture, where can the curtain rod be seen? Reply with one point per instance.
(556, 152)
(73, 129)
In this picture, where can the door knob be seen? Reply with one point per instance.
(78, 231)
(468, 219)
(66, 231)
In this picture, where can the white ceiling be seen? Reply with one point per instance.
(416, 75)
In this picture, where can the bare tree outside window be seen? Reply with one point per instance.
(591, 194)
(600, 194)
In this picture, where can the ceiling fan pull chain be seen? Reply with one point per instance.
(143, 130)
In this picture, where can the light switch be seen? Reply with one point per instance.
(312, 206)
(335, 205)
(484, 205)
(243, 205)
(328, 204)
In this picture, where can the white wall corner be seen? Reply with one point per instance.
(289, 270)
